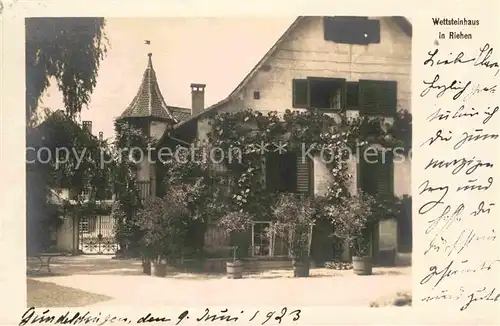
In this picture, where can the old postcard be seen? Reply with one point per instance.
(184, 164)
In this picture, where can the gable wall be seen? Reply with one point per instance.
(306, 54)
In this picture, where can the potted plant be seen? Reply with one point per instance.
(146, 257)
(234, 268)
(351, 217)
(295, 219)
(231, 223)
(164, 224)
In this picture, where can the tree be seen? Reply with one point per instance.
(67, 49)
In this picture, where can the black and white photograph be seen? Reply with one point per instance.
(257, 160)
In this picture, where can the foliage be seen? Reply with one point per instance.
(247, 132)
(241, 136)
(164, 223)
(294, 221)
(390, 207)
(67, 49)
(61, 155)
(70, 157)
(236, 222)
(125, 183)
(351, 217)
(338, 265)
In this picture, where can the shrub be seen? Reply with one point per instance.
(351, 217)
(164, 223)
(294, 222)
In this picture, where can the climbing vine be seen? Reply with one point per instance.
(250, 131)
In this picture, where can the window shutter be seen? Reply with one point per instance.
(303, 174)
(378, 177)
(351, 30)
(388, 97)
(378, 97)
(300, 91)
(263, 170)
(384, 179)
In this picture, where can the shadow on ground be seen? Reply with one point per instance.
(84, 265)
(49, 295)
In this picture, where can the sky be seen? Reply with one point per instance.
(218, 52)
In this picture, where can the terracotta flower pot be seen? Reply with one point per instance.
(234, 269)
(362, 265)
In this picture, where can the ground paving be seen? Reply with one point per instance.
(124, 283)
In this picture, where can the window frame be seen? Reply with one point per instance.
(342, 82)
(272, 242)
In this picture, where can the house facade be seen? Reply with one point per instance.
(359, 65)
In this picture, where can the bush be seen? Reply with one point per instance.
(294, 222)
(351, 217)
(164, 223)
(401, 299)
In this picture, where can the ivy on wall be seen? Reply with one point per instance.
(250, 131)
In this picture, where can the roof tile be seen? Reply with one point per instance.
(149, 102)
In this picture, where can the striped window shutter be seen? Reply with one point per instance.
(263, 171)
(377, 179)
(378, 97)
(303, 174)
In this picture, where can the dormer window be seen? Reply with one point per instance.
(351, 30)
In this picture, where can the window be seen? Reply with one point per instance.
(265, 244)
(377, 174)
(261, 240)
(287, 172)
(371, 97)
(351, 30)
(320, 93)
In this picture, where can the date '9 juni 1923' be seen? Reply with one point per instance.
(260, 317)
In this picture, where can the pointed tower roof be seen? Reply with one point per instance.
(149, 102)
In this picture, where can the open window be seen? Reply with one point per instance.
(351, 30)
(319, 93)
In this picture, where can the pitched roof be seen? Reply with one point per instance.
(149, 102)
(179, 113)
(400, 21)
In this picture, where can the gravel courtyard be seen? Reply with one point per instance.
(109, 282)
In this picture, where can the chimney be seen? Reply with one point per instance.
(197, 98)
(87, 125)
(101, 136)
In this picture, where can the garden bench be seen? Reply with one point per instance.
(44, 259)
